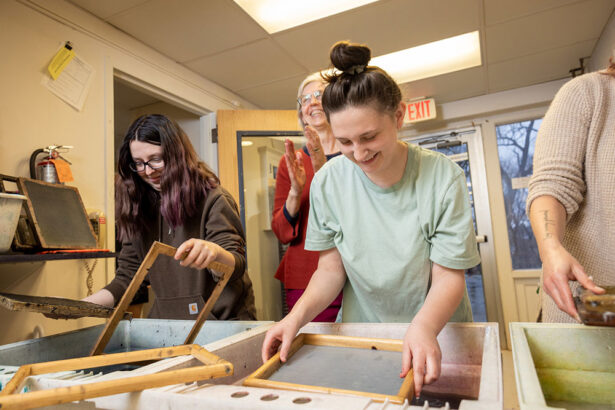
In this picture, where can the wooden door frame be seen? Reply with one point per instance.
(264, 134)
(232, 121)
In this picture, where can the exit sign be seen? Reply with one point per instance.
(420, 110)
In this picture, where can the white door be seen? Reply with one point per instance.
(518, 258)
(465, 147)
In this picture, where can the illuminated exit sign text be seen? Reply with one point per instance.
(420, 110)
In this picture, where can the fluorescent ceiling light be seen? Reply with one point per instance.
(431, 59)
(278, 15)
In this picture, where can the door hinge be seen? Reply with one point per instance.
(214, 135)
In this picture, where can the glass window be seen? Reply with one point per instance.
(516, 143)
(458, 152)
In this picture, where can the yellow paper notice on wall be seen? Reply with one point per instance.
(61, 60)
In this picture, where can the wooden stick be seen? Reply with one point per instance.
(16, 380)
(227, 272)
(205, 356)
(393, 345)
(274, 363)
(110, 359)
(407, 387)
(122, 385)
(270, 384)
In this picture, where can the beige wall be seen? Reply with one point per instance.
(31, 117)
(605, 48)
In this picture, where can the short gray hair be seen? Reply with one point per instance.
(312, 78)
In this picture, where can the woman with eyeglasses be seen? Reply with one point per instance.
(164, 193)
(292, 194)
(392, 223)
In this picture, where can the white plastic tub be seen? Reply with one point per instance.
(564, 366)
(10, 207)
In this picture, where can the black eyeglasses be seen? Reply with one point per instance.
(308, 97)
(154, 163)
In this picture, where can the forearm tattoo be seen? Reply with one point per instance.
(548, 222)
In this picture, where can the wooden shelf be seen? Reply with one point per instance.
(35, 257)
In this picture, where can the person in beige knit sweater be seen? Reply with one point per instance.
(572, 193)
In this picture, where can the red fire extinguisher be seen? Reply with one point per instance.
(45, 170)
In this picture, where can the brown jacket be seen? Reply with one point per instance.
(177, 288)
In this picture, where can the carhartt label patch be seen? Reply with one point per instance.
(193, 308)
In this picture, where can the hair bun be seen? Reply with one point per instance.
(345, 55)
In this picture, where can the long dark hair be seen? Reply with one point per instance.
(184, 179)
(356, 83)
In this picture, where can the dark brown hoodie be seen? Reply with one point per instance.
(178, 289)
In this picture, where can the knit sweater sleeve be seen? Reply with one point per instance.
(560, 147)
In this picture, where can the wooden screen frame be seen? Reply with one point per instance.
(159, 248)
(31, 214)
(213, 367)
(259, 378)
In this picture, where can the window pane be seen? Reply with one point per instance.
(474, 276)
(516, 143)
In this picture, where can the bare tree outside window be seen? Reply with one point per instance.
(516, 142)
(474, 276)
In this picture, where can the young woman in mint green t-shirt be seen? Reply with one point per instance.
(392, 223)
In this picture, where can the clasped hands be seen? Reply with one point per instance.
(294, 160)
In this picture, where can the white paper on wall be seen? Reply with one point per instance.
(73, 84)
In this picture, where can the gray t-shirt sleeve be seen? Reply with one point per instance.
(322, 227)
(452, 237)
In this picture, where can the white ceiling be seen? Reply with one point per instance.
(523, 42)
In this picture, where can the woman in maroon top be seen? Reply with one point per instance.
(292, 194)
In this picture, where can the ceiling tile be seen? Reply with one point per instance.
(448, 87)
(537, 68)
(188, 29)
(107, 8)
(385, 26)
(547, 30)
(247, 66)
(525, 41)
(498, 11)
(280, 95)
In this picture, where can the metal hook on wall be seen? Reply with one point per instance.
(579, 70)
